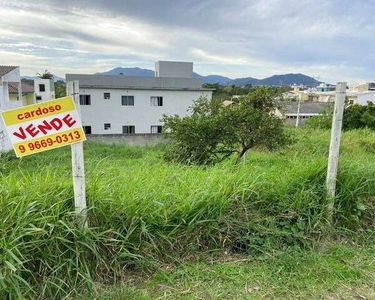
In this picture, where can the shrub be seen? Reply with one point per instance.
(213, 132)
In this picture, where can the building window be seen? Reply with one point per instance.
(85, 99)
(87, 129)
(127, 100)
(156, 101)
(128, 129)
(156, 129)
(107, 126)
(107, 96)
(42, 88)
(38, 98)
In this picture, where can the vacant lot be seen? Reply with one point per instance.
(335, 271)
(232, 232)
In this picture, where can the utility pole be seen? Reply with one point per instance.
(334, 148)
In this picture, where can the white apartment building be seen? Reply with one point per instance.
(131, 105)
(44, 89)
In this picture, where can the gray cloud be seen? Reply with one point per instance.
(331, 38)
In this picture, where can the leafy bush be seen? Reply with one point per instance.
(323, 121)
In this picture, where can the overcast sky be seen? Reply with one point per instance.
(333, 40)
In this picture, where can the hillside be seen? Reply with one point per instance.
(245, 81)
(213, 79)
(289, 79)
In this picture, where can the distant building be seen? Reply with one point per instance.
(44, 89)
(296, 88)
(351, 97)
(324, 87)
(28, 94)
(322, 93)
(131, 105)
(288, 111)
(365, 87)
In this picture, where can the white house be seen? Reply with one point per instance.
(363, 98)
(130, 105)
(9, 77)
(44, 89)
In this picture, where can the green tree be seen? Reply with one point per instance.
(194, 138)
(60, 89)
(250, 123)
(355, 117)
(213, 132)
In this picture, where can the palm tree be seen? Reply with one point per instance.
(46, 75)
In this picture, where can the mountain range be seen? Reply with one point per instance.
(275, 80)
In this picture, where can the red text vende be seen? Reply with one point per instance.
(55, 124)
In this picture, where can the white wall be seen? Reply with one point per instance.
(366, 97)
(142, 115)
(174, 69)
(12, 76)
(5, 104)
(48, 94)
(4, 95)
(5, 144)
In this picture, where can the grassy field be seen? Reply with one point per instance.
(149, 217)
(333, 272)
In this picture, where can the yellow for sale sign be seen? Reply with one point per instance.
(43, 126)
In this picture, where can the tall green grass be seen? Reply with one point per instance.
(143, 210)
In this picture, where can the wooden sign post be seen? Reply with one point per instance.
(334, 148)
(48, 125)
(43, 126)
(78, 166)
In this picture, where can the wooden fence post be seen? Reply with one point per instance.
(78, 166)
(334, 148)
